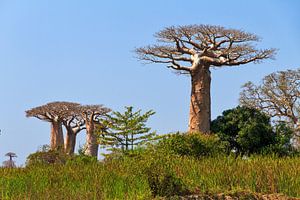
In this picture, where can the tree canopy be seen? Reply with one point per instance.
(247, 130)
(126, 130)
(278, 96)
(212, 45)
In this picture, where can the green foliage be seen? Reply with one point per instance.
(282, 145)
(126, 130)
(81, 159)
(163, 180)
(245, 129)
(47, 157)
(196, 145)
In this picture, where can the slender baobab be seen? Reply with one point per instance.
(92, 114)
(73, 123)
(193, 50)
(54, 113)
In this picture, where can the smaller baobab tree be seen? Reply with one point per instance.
(10, 163)
(53, 113)
(194, 50)
(278, 96)
(92, 114)
(74, 123)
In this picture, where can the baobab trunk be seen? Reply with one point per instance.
(70, 142)
(199, 119)
(57, 138)
(91, 140)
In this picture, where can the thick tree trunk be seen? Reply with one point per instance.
(199, 120)
(91, 140)
(56, 138)
(70, 142)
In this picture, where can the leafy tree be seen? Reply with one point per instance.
(282, 145)
(278, 96)
(126, 130)
(193, 50)
(283, 134)
(247, 130)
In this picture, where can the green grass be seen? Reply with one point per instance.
(142, 177)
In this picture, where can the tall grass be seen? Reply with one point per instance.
(138, 177)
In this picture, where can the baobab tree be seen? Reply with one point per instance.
(10, 163)
(278, 96)
(193, 50)
(74, 123)
(92, 115)
(54, 113)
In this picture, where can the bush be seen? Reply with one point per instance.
(163, 181)
(246, 130)
(196, 145)
(47, 157)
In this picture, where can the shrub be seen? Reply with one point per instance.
(47, 157)
(163, 181)
(195, 144)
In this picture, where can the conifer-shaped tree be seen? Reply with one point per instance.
(125, 130)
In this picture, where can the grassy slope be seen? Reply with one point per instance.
(131, 178)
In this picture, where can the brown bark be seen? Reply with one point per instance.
(199, 120)
(91, 140)
(70, 142)
(56, 138)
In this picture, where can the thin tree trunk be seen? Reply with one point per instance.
(56, 138)
(70, 142)
(91, 140)
(200, 103)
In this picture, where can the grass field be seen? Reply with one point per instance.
(146, 176)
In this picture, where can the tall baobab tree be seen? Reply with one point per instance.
(92, 114)
(193, 50)
(54, 113)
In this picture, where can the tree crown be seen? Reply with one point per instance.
(278, 96)
(53, 111)
(203, 44)
(126, 129)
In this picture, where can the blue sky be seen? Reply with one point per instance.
(82, 51)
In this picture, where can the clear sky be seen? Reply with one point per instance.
(82, 51)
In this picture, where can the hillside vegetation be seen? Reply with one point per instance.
(155, 172)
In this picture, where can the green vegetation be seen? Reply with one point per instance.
(248, 130)
(157, 170)
(125, 130)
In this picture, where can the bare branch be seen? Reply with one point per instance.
(278, 96)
